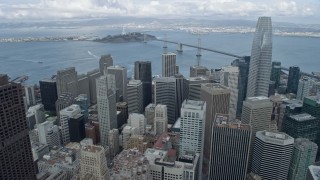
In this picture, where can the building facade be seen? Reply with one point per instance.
(160, 119)
(293, 79)
(121, 81)
(67, 81)
(106, 102)
(272, 155)
(135, 96)
(217, 98)
(260, 62)
(15, 142)
(168, 64)
(143, 72)
(49, 95)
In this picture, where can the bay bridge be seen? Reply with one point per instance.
(180, 49)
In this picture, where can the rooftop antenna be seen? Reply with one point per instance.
(199, 52)
(165, 44)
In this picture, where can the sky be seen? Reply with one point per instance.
(306, 11)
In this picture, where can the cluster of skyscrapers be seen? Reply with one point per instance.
(243, 121)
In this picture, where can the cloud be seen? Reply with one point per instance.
(46, 9)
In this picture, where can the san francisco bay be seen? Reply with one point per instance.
(41, 60)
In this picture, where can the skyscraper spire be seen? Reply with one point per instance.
(261, 55)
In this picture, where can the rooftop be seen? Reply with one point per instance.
(302, 117)
(315, 172)
(192, 104)
(92, 148)
(215, 86)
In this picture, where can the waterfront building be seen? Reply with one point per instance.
(14, 138)
(276, 73)
(84, 86)
(293, 79)
(168, 64)
(260, 62)
(49, 96)
(67, 81)
(104, 62)
(30, 96)
(199, 71)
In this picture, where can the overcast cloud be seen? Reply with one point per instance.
(283, 10)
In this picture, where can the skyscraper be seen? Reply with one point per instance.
(275, 73)
(195, 87)
(257, 112)
(272, 155)
(168, 64)
(93, 75)
(166, 94)
(217, 98)
(67, 81)
(106, 102)
(64, 100)
(143, 72)
(293, 79)
(230, 148)
(30, 96)
(243, 65)
(149, 113)
(77, 127)
(49, 96)
(135, 96)
(304, 155)
(15, 150)
(114, 142)
(193, 116)
(93, 163)
(301, 125)
(123, 108)
(121, 81)
(49, 134)
(199, 71)
(104, 62)
(303, 88)
(65, 115)
(84, 86)
(230, 78)
(160, 119)
(260, 63)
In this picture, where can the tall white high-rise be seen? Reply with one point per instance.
(65, 115)
(49, 134)
(106, 102)
(138, 121)
(303, 88)
(67, 81)
(230, 77)
(168, 64)
(160, 119)
(135, 96)
(121, 81)
(272, 155)
(93, 163)
(193, 116)
(261, 55)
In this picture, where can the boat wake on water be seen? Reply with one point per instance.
(90, 53)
